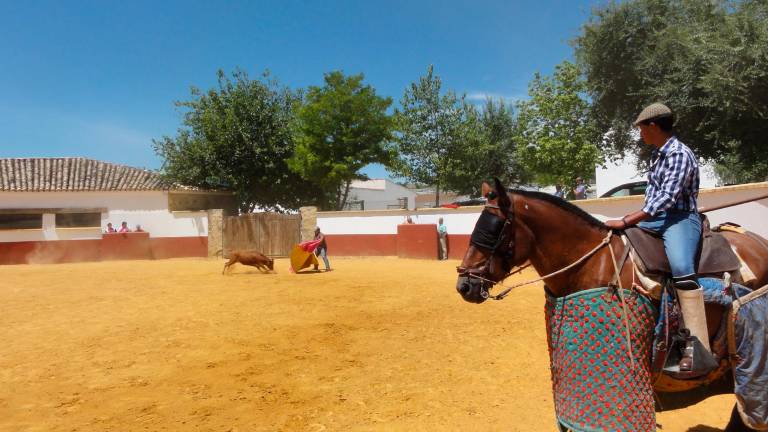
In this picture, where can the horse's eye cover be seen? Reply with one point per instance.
(487, 230)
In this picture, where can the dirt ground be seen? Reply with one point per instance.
(379, 344)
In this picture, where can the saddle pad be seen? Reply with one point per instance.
(716, 256)
(594, 385)
(649, 247)
(730, 226)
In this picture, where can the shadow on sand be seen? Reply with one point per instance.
(304, 272)
(704, 428)
(253, 272)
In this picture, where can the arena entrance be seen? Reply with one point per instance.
(272, 234)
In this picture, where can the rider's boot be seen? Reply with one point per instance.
(691, 298)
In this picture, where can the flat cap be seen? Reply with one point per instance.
(653, 111)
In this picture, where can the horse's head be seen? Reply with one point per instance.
(497, 243)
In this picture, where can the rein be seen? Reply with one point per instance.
(509, 288)
(505, 238)
(616, 267)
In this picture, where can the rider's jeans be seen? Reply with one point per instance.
(681, 231)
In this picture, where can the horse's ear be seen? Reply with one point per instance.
(484, 189)
(501, 191)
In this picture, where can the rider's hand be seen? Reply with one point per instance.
(615, 224)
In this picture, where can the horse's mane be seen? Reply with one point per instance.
(563, 204)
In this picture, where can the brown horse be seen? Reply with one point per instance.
(521, 226)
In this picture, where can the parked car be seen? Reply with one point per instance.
(627, 189)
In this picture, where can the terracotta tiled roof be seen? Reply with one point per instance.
(75, 174)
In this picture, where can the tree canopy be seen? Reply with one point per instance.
(488, 150)
(556, 135)
(707, 60)
(238, 136)
(432, 132)
(342, 127)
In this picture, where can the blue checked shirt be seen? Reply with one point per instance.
(673, 182)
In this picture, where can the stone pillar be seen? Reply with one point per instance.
(215, 233)
(308, 222)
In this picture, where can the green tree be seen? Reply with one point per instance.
(237, 136)
(556, 135)
(342, 127)
(708, 60)
(432, 133)
(489, 150)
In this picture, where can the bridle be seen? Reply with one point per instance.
(503, 246)
(506, 237)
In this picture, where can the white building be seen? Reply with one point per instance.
(380, 194)
(57, 209)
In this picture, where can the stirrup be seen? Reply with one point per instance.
(694, 361)
(686, 362)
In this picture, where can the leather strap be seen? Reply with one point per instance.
(620, 264)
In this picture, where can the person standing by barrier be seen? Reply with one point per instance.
(442, 232)
(322, 249)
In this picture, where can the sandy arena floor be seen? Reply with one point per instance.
(380, 344)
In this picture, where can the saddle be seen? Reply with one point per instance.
(715, 255)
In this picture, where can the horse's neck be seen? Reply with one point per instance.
(560, 239)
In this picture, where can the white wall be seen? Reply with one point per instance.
(458, 221)
(147, 208)
(624, 171)
(380, 193)
(752, 216)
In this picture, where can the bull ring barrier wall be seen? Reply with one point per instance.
(379, 232)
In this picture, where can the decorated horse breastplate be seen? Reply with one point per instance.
(594, 385)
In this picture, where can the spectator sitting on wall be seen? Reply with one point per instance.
(124, 228)
(408, 220)
(110, 228)
(138, 229)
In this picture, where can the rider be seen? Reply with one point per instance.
(670, 210)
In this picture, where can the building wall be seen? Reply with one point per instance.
(377, 199)
(147, 208)
(169, 234)
(202, 201)
(376, 232)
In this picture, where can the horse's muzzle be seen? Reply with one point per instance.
(472, 289)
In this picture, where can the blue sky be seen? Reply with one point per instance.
(98, 79)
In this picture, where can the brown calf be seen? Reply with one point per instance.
(256, 259)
